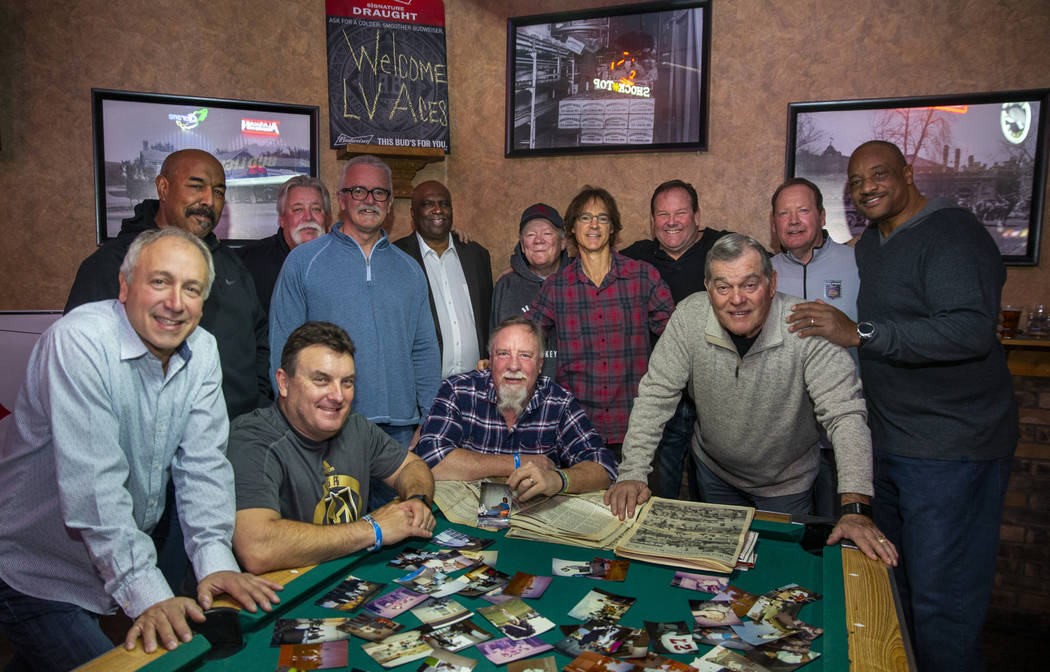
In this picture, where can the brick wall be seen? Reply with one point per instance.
(1021, 595)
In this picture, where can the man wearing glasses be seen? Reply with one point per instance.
(605, 310)
(355, 278)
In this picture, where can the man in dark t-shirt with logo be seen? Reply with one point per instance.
(302, 465)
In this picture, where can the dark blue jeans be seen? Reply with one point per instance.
(674, 454)
(943, 516)
(48, 635)
(716, 491)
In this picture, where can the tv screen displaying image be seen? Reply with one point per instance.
(260, 145)
(614, 79)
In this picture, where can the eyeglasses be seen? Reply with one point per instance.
(587, 218)
(359, 193)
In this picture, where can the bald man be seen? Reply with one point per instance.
(191, 191)
(459, 275)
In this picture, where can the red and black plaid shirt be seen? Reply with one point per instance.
(604, 335)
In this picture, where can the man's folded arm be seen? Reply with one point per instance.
(265, 542)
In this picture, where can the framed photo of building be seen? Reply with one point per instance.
(985, 151)
(615, 79)
(260, 145)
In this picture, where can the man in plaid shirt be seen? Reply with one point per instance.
(511, 421)
(605, 310)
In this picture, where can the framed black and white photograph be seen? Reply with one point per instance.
(260, 145)
(985, 151)
(615, 79)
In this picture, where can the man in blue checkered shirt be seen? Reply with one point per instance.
(510, 421)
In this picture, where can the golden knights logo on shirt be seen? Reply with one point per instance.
(340, 499)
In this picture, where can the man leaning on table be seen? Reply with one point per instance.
(120, 397)
(760, 394)
(303, 465)
(511, 421)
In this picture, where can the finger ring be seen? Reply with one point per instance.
(812, 322)
(532, 481)
(881, 540)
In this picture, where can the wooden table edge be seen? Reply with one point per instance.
(120, 659)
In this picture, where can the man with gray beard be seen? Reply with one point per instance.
(304, 213)
(511, 421)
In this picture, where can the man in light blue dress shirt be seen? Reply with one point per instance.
(120, 396)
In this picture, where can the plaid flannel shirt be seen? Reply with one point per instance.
(604, 335)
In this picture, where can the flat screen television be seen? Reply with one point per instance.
(260, 145)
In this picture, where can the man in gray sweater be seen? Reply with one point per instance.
(760, 394)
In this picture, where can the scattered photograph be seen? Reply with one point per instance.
(741, 600)
(395, 602)
(527, 585)
(711, 614)
(350, 594)
(561, 567)
(758, 633)
(398, 649)
(603, 638)
(455, 637)
(496, 596)
(446, 661)
(503, 651)
(589, 661)
(412, 558)
(781, 660)
(441, 611)
(609, 570)
(720, 636)
(307, 631)
(515, 619)
(601, 605)
(545, 664)
(432, 582)
(495, 505)
(483, 557)
(370, 627)
(314, 656)
(705, 583)
(654, 662)
(720, 659)
(483, 579)
(450, 538)
(781, 599)
(674, 637)
(447, 561)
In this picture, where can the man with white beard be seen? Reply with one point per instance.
(304, 212)
(511, 421)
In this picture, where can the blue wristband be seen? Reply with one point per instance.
(376, 530)
(517, 460)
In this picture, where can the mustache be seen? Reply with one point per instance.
(202, 211)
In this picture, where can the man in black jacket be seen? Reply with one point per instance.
(192, 189)
(304, 212)
(461, 318)
(678, 250)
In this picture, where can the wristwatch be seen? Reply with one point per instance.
(857, 507)
(865, 331)
(421, 497)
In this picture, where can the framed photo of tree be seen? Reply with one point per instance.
(985, 151)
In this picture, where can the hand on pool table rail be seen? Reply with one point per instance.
(866, 536)
(166, 620)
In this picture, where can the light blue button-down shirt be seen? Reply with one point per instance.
(99, 428)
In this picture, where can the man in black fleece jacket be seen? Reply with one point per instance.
(192, 187)
(940, 397)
